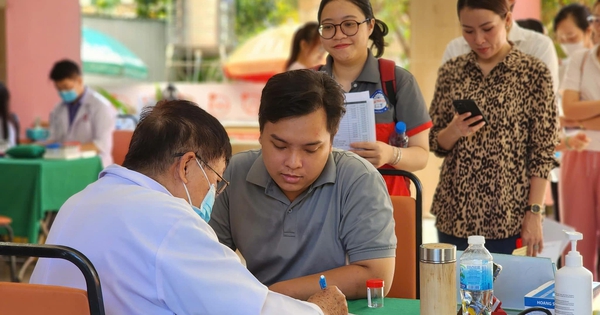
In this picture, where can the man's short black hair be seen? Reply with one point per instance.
(170, 129)
(299, 93)
(64, 69)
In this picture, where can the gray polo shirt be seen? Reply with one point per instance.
(410, 106)
(345, 215)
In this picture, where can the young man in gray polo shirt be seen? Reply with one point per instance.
(297, 209)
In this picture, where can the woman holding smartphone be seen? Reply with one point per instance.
(494, 174)
(346, 27)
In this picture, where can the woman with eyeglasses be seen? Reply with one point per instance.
(346, 26)
(580, 170)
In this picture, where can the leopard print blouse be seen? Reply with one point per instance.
(484, 182)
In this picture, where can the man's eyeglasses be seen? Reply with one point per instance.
(223, 183)
(348, 28)
(593, 19)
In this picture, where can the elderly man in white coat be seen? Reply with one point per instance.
(83, 115)
(144, 227)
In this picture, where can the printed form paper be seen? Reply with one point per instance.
(358, 124)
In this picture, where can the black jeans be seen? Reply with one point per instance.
(500, 246)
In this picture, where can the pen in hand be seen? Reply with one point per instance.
(323, 282)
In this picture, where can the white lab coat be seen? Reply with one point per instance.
(154, 254)
(95, 122)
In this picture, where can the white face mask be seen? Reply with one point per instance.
(570, 49)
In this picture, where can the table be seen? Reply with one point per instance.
(391, 307)
(30, 187)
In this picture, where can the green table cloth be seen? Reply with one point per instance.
(394, 306)
(391, 306)
(30, 187)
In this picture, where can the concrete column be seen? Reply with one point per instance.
(307, 10)
(434, 23)
(38, 33)
(527, 9)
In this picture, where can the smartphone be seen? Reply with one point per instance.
(463, 106)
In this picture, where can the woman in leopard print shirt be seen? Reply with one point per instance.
(492, 172)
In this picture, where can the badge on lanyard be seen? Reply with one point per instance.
(381, 105)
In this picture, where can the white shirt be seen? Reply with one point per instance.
(587, 83)
(95, 122)
(154, 254)
(296, 66)
(529, 42)
(12, 137)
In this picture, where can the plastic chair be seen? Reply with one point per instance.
(5, 223)
(408, 215)
(121, 140)
(29, 299)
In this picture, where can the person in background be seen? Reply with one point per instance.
(494, 174)
(533, 25)
(347, 28)
(9, 125)
(143, 227)
(83, 115)
(594, 20)
(300, 208)
(571, 28)
(307, 51)
(580, 170)
(573, 31)
(529, 42)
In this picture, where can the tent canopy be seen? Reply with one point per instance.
(104, 55)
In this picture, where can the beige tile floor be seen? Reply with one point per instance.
(429, 236)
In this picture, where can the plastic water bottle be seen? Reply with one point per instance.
(476, 278)
(398, 137)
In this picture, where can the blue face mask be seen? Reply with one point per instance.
(68, 96)
(209, 200)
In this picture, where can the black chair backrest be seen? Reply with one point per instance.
(418, 208)
(92, 281)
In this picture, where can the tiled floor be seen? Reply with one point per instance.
(429, 236)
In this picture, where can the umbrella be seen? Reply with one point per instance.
(261, 56)
(102, 54)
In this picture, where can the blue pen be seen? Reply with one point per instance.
(323, 282)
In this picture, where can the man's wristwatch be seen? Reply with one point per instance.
(535, 208)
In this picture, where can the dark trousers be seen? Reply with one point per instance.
(501, 246)
(554, 190)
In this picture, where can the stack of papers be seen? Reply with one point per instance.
(358, 124)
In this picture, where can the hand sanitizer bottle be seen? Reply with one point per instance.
(573, 283)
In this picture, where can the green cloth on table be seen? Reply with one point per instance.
(29, 188)
(391, 306)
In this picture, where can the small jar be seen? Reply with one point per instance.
(375, 293)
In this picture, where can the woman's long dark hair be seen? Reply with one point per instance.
(308, 33)
(578, 12)
(5, 115)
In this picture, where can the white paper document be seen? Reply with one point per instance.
(555, 239)
(358, 124)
